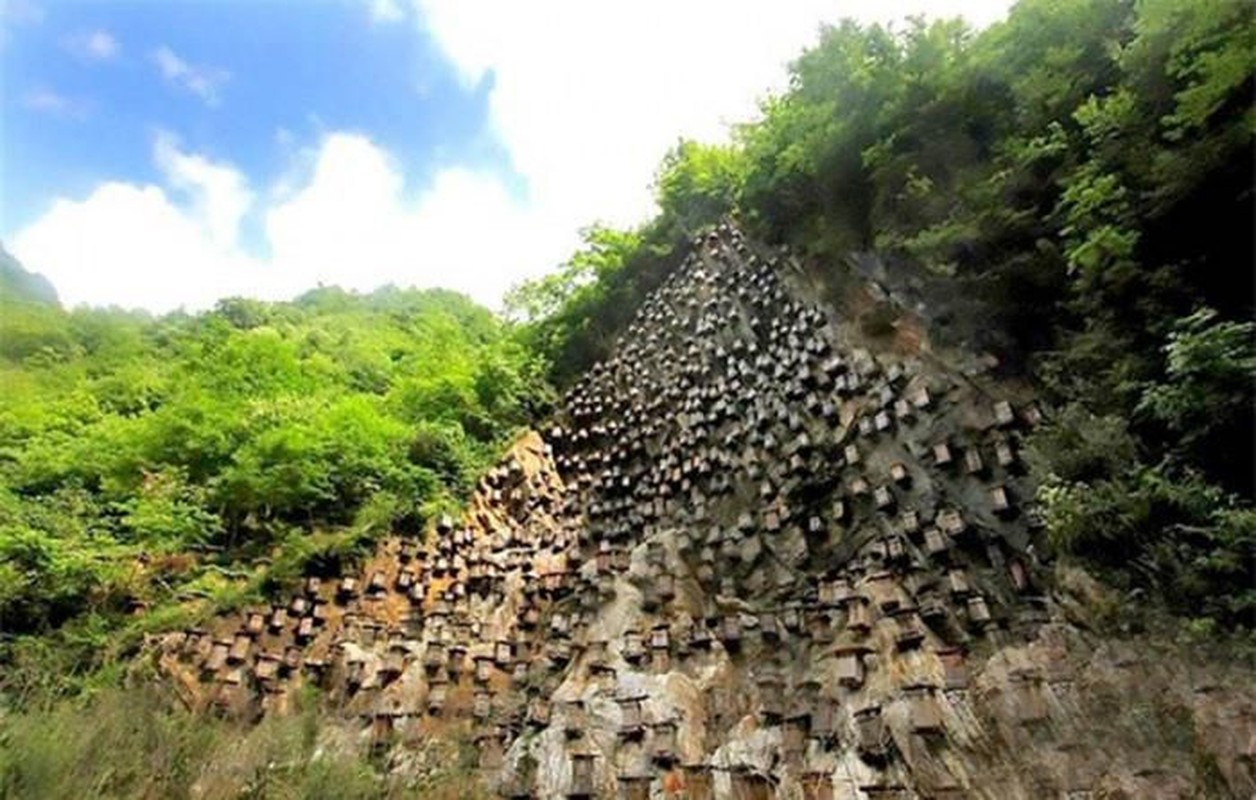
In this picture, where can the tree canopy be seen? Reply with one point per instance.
(144, 460)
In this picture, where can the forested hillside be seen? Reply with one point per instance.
(1072, 188)
(181, 464)
(1068, 192)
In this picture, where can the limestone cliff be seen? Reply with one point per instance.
(753, 557)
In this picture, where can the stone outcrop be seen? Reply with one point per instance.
(750, 559)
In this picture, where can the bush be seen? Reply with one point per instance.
(1175, 533)
(1078, 447)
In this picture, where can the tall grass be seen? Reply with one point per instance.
(132, 743)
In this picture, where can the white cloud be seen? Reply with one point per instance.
(134, 245)
(352, 224)
(348, 222)
(128, 245)
(386, 11)
(53, 103)
(220, 194)
(586, 110)
(201, 80)
(98, 45)
(587, 116)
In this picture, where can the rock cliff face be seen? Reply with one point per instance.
(751, 559)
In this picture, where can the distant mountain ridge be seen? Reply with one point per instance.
(21, 285)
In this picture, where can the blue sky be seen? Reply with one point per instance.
(274, 77)
(166, 154)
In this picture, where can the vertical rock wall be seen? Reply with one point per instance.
(748, 560)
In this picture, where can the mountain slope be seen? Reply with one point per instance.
(753, 558)
(17, 284)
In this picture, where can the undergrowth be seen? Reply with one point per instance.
(135, 743)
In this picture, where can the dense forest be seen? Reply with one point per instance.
(182, 464)
(1081, 175)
